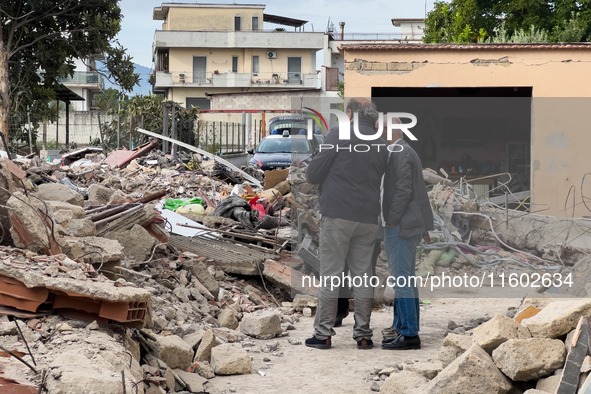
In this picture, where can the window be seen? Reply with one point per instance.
(237, 23)
(200, 102)
(255, 64)
(234, 64)
(255, 23)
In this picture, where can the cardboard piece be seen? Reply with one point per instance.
(528, 312)
(273, 177)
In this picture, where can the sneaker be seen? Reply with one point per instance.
(364, 344)
(402, 343)
(318, 343)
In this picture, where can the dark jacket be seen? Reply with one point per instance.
(405, 202)
(350, 181)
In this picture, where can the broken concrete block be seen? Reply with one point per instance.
(208, 342)
(194, 338)
(193, 381)
(55, 206)
(175, 352)
(108, 250)
(137, 242)
(453, 346)
(199, 270)
(99, 193)
(205, 370)
(527, 359)
(227, 319)
(404, 382)
(81, 228)
(302, 301)
(62, 217)
(558, 318)
(230, 359)
(226, 335)
(25, 216)
(60, 192)
(428, 369)
(473, 372)
(8, 328)
(261, 324)
(497, 330)
(549, 384)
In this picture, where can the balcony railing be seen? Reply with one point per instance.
(266, 79)
(85, 77)
(376, 37)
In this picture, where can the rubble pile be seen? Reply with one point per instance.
(533, 350)
(119, 273)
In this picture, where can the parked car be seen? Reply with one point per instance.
(278, 151)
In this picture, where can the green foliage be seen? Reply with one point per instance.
(42, 39)
(572, 30)
(508, 21)
(145, 112)
(108, 102)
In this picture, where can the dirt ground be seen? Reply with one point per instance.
(344, 368)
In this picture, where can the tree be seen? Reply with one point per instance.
(466, 21)
(40, 40)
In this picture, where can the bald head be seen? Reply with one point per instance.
(396, 133)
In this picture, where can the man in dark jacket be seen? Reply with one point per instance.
(408, 215)
(349, 181)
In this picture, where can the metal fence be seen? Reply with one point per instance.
(228, 137)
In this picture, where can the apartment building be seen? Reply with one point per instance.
(86, 82)
(204, 49)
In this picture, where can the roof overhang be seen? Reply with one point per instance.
(63, 93)
(282, 20)
(161, 12)
(398, 21)
(463, 47)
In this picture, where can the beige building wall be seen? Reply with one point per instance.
(220, 59)
(210, 19)
(560, 115)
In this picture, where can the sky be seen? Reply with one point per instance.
(360, 16)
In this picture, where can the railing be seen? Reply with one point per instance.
(85, 77)
(229, 79)
(376, 37)
(228, 137)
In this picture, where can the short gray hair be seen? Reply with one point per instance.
(364, 107)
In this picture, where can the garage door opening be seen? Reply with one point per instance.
(469, 132)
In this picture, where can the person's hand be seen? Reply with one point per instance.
(427, 238)
(390, 226)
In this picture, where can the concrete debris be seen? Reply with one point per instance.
(527, 359)
(558, 318)
(497, 331)
(428, 369)
(59, 192)
(261, 324)
(137, 243)
(193, 382)
(208, 342)
(473, 372)
(404, 382)
(227, 319)
(230, 359)
(175, 352)
(453, 346)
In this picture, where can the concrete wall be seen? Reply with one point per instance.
(84, 127)
(260, 100)
(560, 135)
(189, 18)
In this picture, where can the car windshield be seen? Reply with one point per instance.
(284, 145)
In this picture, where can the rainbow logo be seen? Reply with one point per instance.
(317, 117)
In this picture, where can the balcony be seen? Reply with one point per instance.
(238, 39)
(91, 80)
(189, 79)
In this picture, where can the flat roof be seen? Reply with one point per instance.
(462, 47)
(397, 21)
(283, 20)
(161, 12)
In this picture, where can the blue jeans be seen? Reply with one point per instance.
(401, 254)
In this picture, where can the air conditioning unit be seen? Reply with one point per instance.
(272, 55)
